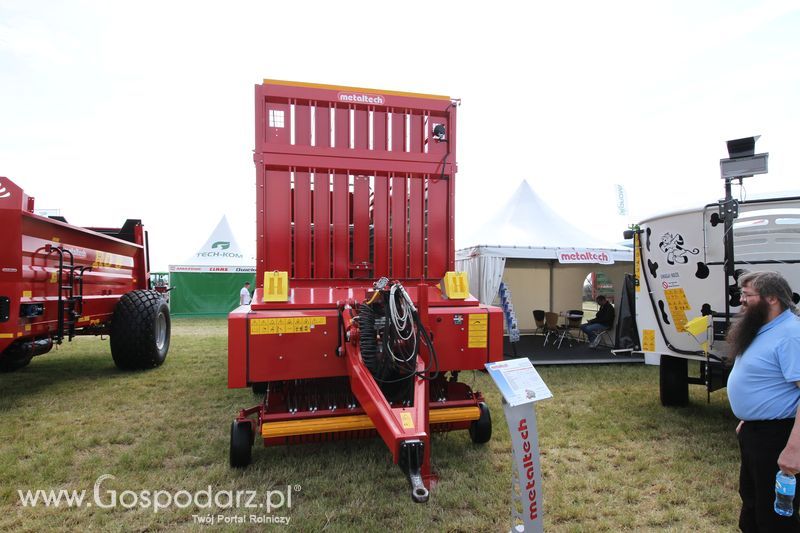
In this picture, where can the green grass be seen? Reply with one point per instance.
(612, 458)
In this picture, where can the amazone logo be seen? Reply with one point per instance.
(221, 244)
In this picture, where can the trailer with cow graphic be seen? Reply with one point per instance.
(680, 265)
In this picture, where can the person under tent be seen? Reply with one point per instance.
(603, 321)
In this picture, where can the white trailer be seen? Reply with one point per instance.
(680, 266)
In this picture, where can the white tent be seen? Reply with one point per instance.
(209, 281)
(541, 257)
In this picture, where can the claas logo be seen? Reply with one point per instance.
(222, 245)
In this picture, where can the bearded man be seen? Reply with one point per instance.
(764, 393)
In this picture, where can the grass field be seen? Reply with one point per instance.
(612, 458)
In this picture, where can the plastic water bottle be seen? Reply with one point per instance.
(784, 493)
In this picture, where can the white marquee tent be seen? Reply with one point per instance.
(208, 283)
(540, 256)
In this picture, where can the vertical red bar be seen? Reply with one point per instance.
(261, 118)
(437, 227)
(361, 227)
(302, 225)
(361, 129)
(342, 125)
(261, 221)
(322, 225)
(451, 189)
(277, 211)
(322, 126)
(399, 218)
(302, 124)
(416, 223)
(380, 221)
(398, 131)
(379, 137)
(340, 210)
(416, 133)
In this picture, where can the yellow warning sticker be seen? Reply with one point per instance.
(678, 305)
(478, 331)
(407, 420)
(295, 324)
(6, 335)
(637, 263)
(649, 340)
(109, 260)
(27, 294)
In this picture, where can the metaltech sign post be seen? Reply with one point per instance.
(522, 387)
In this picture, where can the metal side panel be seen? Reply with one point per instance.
(296, 344)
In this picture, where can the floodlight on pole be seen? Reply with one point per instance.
(742, 160)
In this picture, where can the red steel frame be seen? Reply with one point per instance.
(29, 268)
(352, 186)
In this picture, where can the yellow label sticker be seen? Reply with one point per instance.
(478, 330)
(53, 277)
(109, 260)
(27, 327)
(6, 335)
(27, 294)
(649, 340)
(407, 420)
(296, 324)
(678, 305)
(637, 263)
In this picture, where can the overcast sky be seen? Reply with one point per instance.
(114, 110)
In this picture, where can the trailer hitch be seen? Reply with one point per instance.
(412, 453)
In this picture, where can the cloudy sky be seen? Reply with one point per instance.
(113, 110)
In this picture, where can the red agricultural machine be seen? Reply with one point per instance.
(359, 324)
(58, 281)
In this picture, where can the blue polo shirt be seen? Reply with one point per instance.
(761, 385)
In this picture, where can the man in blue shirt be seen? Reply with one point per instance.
(764, 393)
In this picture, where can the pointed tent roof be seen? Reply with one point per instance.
(526, 227)
(221, 249)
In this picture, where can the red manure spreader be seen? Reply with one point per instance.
(359, 324)
(58, 281)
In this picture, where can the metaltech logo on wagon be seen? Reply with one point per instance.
(361, 98)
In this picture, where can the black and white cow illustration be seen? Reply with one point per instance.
(672, 245)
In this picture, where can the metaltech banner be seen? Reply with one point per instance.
(584, 255)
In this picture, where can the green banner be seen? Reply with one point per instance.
(206, 293)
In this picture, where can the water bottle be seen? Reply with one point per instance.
(784, 493)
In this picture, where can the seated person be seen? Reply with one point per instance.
(602, 321)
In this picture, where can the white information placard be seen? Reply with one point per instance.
(518, 381)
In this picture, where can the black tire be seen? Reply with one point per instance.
(480, 431)
(11, 364)
(674, 381)
(241, 444)
(140, 331)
